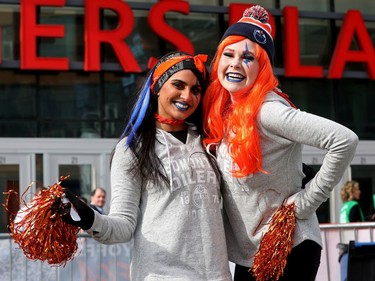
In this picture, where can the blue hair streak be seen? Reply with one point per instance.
(138, 113)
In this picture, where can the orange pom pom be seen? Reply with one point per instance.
(39, 230)
(271, 258)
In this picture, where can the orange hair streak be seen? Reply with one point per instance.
(221, 117)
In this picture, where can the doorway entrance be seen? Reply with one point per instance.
(86, 161)
(40, 163)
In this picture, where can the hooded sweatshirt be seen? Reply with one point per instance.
(177, 228)
(250, 202)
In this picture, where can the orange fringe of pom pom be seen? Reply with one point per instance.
(39, 230)
(271, 258)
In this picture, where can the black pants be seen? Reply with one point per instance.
(302, 264)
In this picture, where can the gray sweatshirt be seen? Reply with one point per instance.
(177, 229)
(250, 202)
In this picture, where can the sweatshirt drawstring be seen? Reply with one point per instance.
(208, 149)
(169, 160)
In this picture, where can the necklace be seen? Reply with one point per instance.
(168, 121)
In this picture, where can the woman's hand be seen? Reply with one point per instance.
(86, 214)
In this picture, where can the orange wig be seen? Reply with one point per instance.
(237, 124)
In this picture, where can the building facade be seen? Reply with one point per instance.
(69, 69)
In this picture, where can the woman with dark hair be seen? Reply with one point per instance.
(165, 189)
(257, 135)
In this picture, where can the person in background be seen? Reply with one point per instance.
(165, 190)
(371, 216)
(351, 211)
(257, 135)
(97, 198)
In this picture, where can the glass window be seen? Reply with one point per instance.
(206, 2)
(315, 42)
(69, 129)
(143, 42)
(120, 92)
(95, 104)
(355, 100)
(17, 95)
(202, 30)
(365, 176)
(10, 26)
(70, 95)
(39, 169)
(79, 180)
(70, 105)
(192, 2)
(346, 101)
(72, 44)
(366, 7)
(264, 3)
(18, 129)
(308, 95)
(308, 5)
(9, 180)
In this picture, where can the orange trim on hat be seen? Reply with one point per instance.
(265, 26)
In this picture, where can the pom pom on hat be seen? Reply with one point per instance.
(254, 26)
(257, 12)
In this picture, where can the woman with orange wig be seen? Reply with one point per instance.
(257, 136)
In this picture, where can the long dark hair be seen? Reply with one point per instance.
(141, 129)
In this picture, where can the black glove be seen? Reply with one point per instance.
(309, 174)
(85, 212)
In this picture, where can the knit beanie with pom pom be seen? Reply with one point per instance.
(254, 26)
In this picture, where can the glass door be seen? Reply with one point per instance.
(365, 176)
(83, 172)
(361, 169)
(329, 211)
(16, 174)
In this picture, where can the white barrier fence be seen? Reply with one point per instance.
(95, 261)
(332, 235)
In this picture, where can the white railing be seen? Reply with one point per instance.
(334, 234)
(95, 261)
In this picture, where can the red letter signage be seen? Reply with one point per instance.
(30, 31)
(94, 36)
(353, 25)
(293, 67)
(159, 26)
